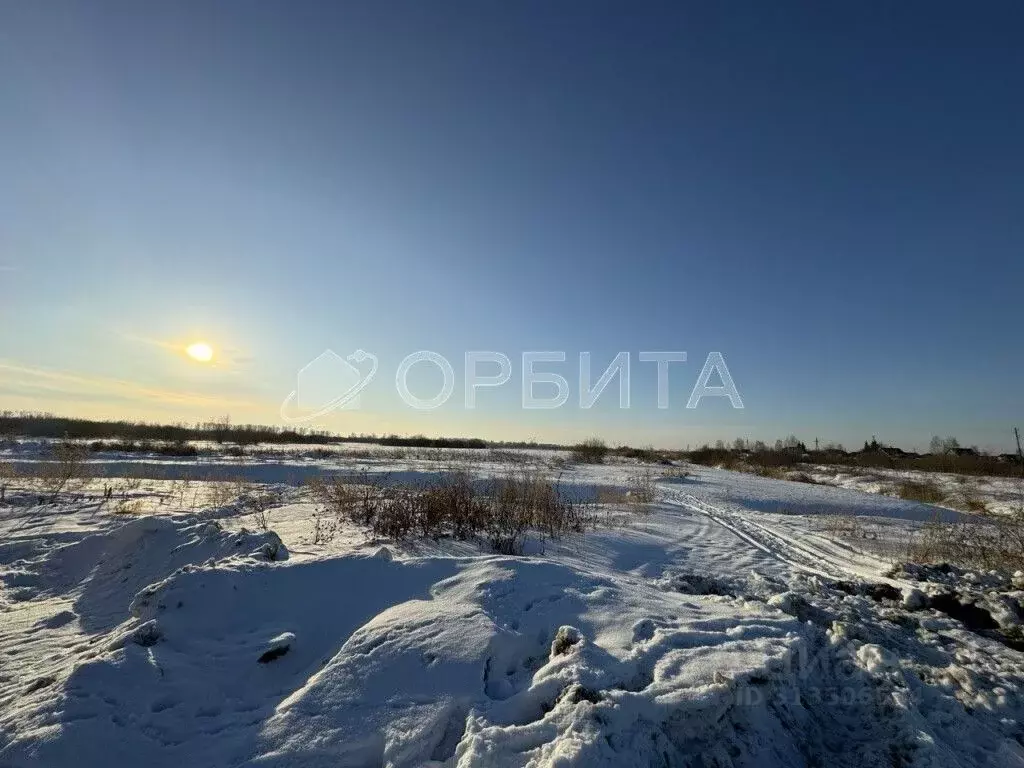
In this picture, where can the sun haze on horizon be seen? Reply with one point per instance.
(200, 351)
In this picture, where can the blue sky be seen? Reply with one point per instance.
(831, 195)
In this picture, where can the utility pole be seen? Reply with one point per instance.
(1020, 455)
(815, 445)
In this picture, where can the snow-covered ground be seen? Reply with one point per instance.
(719, 625)
(999, 495)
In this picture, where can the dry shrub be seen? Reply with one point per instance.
(642, 489)
(65, 473)
(540, 503)
(646, 454)
(972, 503)
(502, 510)
(453, 504)
(258, 502)
(559, 462)
(7, 475)
(339, 500)
(179, 490)
(989, 541)
(366, 501)
(220, 493)
(396, 513)
(324, 527)
(967, 497)
(969, 500)
(607, 495)
(505, 456)
(338, 497)
(675, 473)
(713, 457)
(590, 451)
(509, 517)
(926, 491)
(845, 526)
(128, 507)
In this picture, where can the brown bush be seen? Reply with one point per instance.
(502, 510)
(924, 490)
(590, 451)
(66, 472)
(989, 541)
(642, 489)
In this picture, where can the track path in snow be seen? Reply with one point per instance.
(785, 537)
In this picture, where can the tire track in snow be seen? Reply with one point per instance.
(801, 555)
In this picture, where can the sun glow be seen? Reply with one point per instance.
(200, 351)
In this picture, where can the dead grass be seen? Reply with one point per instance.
(7, 477)
(65, 472)
(590, 451)
(128, 507)
(777, 473)
(220, 493)
(257, 502)
(926, 491)
(845, 526)
(642, 488)
(970, 502)
(675, 473)
(989, 541)
(607, 495)
(501, 510)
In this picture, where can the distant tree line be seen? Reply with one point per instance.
(43, 425)
(945, 455)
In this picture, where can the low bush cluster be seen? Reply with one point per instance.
(64, 472)
(795, 453)
(173, 448)
(501, 510)
(923, 490)
(988, 541)
(590, 451)
(642, 488)
(644, 455)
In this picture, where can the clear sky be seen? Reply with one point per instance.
(829, 194)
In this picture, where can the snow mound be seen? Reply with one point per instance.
(105, 570)
(520, 661)
(404, 662)
(277, 647)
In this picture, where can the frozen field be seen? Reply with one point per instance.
(721, 624)
(1000, 495)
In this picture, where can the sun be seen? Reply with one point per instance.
(200, 351)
